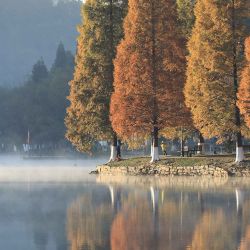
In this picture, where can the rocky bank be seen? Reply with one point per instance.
(217, 167)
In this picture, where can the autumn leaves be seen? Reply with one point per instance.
(140, 85)
(149, 72)
(244, 89)
(214, 68)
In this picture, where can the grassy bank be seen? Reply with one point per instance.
(214, 166)
(178, 161)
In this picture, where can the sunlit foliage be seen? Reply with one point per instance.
(244, 89)
(149, 70)
(101, 30)
(210, 90)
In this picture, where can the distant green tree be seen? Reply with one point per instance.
(50, 102)
(39, 71)
(39, 108)
(61, 57)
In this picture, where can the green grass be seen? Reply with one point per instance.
(175, 161)
(131, 162)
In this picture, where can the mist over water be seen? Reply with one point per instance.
(57, 205)
(17, 169)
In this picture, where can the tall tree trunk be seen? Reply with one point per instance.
(201, 144)
(155, 144)
(118, 153)
(182, 143)
(113, 151)
(239, 148)
(113, 148)
(111, 29)
(152, 143)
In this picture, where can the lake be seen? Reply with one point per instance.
(57, 205)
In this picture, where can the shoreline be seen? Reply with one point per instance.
(177, 166)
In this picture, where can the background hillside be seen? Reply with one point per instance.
(31, 29)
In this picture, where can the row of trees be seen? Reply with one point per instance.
(214, 66)
(168, 65)
(38, 106)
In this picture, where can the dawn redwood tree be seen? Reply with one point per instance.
(87, 117)
(186, 18)
(149, 72)
(215, 58)
(244, 88)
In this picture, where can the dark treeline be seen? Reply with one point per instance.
(38, 106)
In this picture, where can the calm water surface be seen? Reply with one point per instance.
(55, 206)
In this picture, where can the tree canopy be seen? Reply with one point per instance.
(211, 85)
(185, 9)
(244, 89)
(101, 30)
(149, 71)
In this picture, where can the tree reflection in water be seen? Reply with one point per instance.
(88, 225)
(245, 243)
(245, 240)
(215, 231)
(146, 219)
(132, 228)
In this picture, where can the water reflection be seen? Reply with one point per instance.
(88, 224)
(215, 230)
(156, 218)
(139, 214)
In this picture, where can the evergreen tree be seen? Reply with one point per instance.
(39, 71)
(213, 64)
(64, 60)
(88, 115)
(38, 107)
(244, 89)
(149, 72)
(61, 57)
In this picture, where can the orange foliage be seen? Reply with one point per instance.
(245, 241)
(149, 70)
(132, 229)
(244, 89)
(211, 72)
(214, 231)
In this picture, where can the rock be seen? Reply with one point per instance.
(169, 168)
(94, 172)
